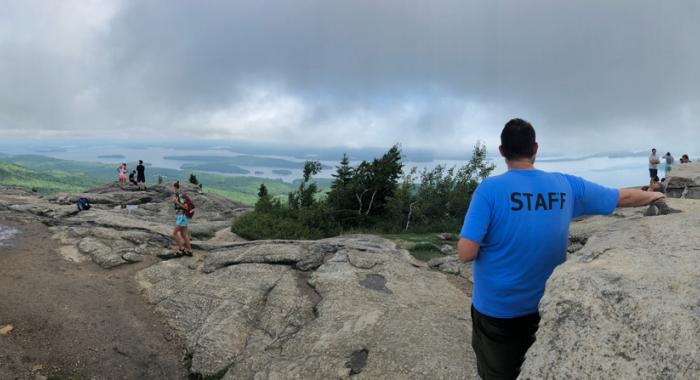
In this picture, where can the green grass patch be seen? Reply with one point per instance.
(42, 181)
(415, 237)
(246, 199)
(425, 251)
(421, 246)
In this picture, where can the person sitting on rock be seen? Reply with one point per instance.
(516, 231)
(685, 159)
(656, 185)
(132, 178)
(181, 231)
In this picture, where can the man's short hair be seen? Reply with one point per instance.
(518, 139)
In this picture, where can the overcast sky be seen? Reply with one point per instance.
(591, 75)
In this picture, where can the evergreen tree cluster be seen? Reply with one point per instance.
(375, 196)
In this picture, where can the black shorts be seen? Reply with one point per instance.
(500, 344)
(141, 179)
(653, 173)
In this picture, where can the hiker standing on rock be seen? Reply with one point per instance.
(669, 162)
(653, 164)
(516, 232)
(184, 210)
(141, 175)
(122, 170)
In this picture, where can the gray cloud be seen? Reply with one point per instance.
(589, 74)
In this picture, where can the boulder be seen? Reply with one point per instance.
(353, 305)
(452, 265)
(225, 235)
(101, 254)
(207, 230)
(684, 181)
(625, 305)
(133, 257)
(448, 250)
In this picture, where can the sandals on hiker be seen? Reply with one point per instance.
(187, 253)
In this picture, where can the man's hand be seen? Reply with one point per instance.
(467, 250)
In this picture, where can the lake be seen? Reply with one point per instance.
(608, 171)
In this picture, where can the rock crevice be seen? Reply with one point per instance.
(284, 321)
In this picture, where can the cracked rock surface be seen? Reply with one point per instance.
(110, 235)
(348, 306)
(626, 304)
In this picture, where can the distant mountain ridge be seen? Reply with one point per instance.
(48, 175)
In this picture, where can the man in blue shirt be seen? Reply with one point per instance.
(516, 232)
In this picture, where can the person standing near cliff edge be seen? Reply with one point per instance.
(516, 232)
(669, 163)
(653, 164)
(141, 175)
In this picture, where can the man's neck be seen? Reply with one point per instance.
(520, 164)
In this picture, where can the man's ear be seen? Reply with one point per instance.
(500, 149)
(535, 146)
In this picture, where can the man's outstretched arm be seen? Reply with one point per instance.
(467, 250)
(636, 198)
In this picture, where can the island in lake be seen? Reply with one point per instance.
(281, 171)
(220, 167)
(117, 156)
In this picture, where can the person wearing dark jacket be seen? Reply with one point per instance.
(131, 177)
(141, 175)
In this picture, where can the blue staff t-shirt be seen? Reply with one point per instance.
(521, 220)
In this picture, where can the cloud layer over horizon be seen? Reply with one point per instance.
(590, 75)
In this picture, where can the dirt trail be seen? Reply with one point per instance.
(77, 320)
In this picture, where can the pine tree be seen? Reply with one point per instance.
(386, 172)
(340, 196)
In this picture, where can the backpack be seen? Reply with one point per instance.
(83, 204)
(189, 212)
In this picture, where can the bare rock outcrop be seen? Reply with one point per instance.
(125, 224)
(684, 181)
(334, 308)
(626, 303)
(452, 265)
